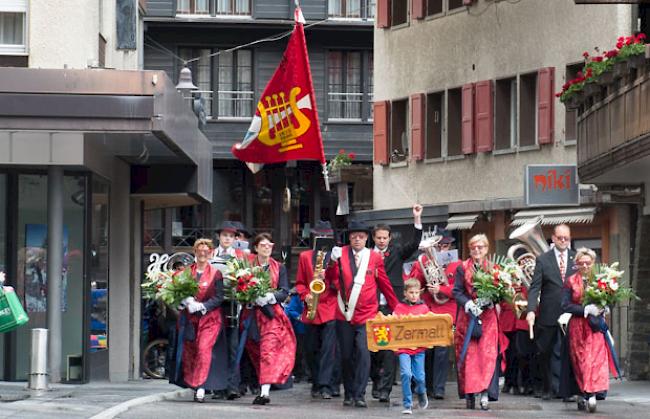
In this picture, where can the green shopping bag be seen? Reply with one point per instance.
(12, 314)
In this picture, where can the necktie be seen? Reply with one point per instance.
(357, 259)
(562, 266)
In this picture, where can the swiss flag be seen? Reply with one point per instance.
(285, 126)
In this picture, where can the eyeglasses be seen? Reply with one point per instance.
(357, 236)
(477, 247)
(266, 244)
(563, 238)
(587, 263)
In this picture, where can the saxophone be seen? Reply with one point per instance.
(316, 286)
(434, 274)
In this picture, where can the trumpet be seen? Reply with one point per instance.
(316, 286)
(434, 274)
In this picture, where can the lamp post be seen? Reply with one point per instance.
(185, 85)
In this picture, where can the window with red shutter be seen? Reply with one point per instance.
(527, 109)
(454, 122)
(417, 9)
(434, 115)
(484, 116)
(380, 132)
(545, 108)
(417, 126)
(505, 114)
(467, 115)
(383, 13)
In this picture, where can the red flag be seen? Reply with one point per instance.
(285, 126)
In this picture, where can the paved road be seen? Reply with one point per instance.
(297, 403)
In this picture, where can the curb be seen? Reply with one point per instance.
(123, 407)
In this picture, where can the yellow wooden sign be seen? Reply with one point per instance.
(408, 331)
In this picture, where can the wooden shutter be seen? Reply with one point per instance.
(417, 9)
(484, 116)
(545, 108)
(467, 119)
(382, 14)
(417, 126)
(380, 132)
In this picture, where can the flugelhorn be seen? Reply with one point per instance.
(316, 286)
(434, 274)
(533, 244)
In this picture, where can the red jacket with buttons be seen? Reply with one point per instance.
(327, 305)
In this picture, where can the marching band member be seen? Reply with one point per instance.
(357, 275)
(321, 331)
(271, 344)
(479, 372)
(199, 327)
(438, 297)
(382, 369)
(588, 351)
(230, 309)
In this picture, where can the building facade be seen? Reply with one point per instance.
(465, 100)
(230, 82)
(86, 143)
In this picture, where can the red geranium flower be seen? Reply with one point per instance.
(585, 54)
(619, 44)
(352, 156)
(640, 37)
(341, 151)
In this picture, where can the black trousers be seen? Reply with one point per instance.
(436, 367)
(382, 370)
(320, 352)
(547, 340)
(355, 358)
(232, 342)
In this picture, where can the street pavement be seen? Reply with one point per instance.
(156, 399)
(628, 399)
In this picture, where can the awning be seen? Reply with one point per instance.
(556, 216)
(461, 221)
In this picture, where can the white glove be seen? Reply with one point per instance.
(471, 307)
(592, 309)
(337, 251)
(265, 299)
(195, 306)
(187, 300)
(607, 311)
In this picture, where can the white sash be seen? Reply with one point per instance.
(359, 280)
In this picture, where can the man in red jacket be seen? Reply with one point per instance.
(438, 299)
(357, 275)
(320, 341)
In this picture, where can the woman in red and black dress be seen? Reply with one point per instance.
(271, 343)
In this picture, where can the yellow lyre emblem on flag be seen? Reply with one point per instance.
(277, 126)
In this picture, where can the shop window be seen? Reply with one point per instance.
(193, 7)
(455, 4)
(435, 104)
(454, 122)
(527, 109)
(505, 123)
(345, 95)
(571, 115)
(399, 12)
(13, 27)
(398, 131)
(434, 7)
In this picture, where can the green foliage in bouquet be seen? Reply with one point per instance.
(495, 281)
(603, 288)
(246, 282)
(171, 290)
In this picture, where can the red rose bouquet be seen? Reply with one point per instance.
(245, 283)
(603, 287)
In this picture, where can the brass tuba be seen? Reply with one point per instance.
(434, 274)
(316, 286)
(534, 244)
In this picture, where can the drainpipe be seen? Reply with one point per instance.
(54, 268)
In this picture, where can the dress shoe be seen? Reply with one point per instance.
(470, 402)
(591, 404)
(384, 396)
(348, 402)
(218, 395)
(423, 401)
(262, 400)
(582, 403)
(362, 403)
(439, 396)
(199, 396)
(375, 394)
(484, 405)
(232, 395)
(336, 393)
(325, 395)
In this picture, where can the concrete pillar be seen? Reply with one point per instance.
(136, 267)
(54, 268)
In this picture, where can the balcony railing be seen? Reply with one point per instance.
(613, 121)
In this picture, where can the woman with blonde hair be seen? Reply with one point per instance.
(478, 372)
(590, 358)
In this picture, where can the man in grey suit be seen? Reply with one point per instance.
(551, 269)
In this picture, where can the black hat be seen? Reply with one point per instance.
(227, 226)
(355, 225)
(322, 228)
(447, 240)
(241, 228)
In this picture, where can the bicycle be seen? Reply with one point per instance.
(154, 356)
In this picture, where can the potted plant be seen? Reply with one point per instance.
(338, 164)
(632, 50)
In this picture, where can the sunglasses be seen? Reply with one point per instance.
(477, 247)
(266, 244)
